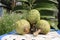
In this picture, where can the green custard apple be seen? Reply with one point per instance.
(22, 26)
(33, 16)
(44, 26)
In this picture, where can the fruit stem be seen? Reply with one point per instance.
(37, 32)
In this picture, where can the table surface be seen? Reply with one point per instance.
(13, 32)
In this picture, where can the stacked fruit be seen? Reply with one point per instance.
(32, 24)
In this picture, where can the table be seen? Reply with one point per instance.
(13, 32)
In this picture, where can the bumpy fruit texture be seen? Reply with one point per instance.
(33, 16)
(22, 26)
(44, 26)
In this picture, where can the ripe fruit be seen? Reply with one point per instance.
(44, 26)
(22, 26)
(33, 16)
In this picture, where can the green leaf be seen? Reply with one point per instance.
(46, 6)
(54, 24)
(22, 0)
(18, 7)
(47, 17)
(55, 1)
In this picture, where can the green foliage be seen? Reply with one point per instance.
(46, 6)
(54, 23)
(7, 22)
(22, 0)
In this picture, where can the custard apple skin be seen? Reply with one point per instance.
(33, 16)
(44, 26)
(21, 24)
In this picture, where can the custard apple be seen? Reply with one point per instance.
(33, 16)
(22, 26)
(44, 26)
